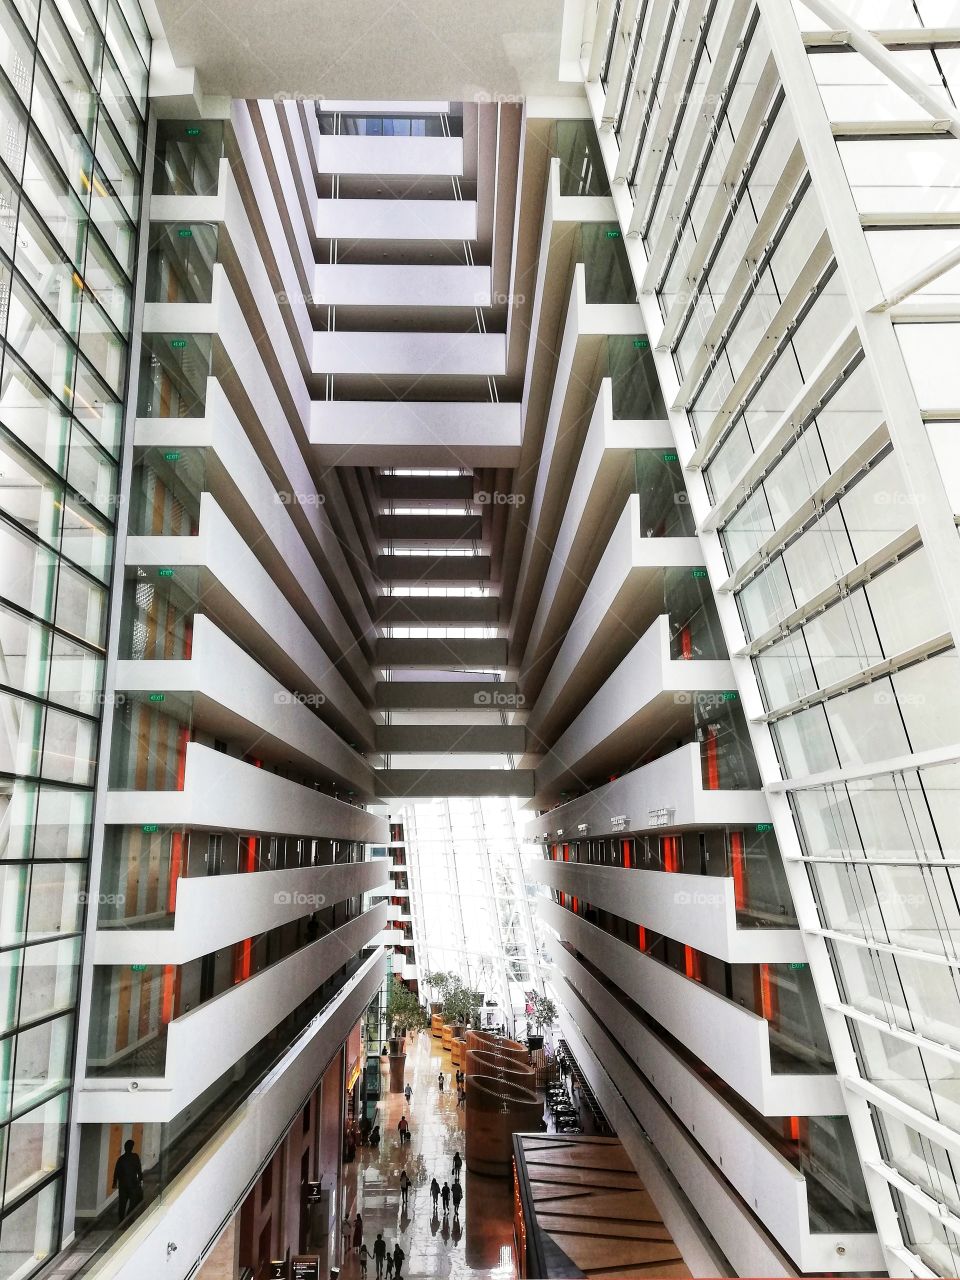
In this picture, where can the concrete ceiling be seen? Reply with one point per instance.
(459, 50)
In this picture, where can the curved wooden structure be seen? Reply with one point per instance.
(458, 1051)
(499, 1044)
(496, 1110)
(447, 1035)
(436, 1025)
(486, 1062)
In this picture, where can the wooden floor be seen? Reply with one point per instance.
(591, 1207)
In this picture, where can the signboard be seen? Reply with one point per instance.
(164, 573)
(277, 1270)
(661, 817)
(172, 455)
(178, 344)
(149, 828)
(641, 344)
(185, 233)
(157, 697)
(193, 131)
(305, 1267)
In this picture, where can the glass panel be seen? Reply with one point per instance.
(173, 376)
(180, 263)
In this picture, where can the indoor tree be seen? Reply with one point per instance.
(462, 1005)
(404, 1011)
(544, 1012)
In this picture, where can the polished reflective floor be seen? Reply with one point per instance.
(478, 1242)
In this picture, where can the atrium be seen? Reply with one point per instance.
(495, 468)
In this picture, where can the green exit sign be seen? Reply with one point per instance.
(137, 968)
(641, 344)
(185, 233)
(763, 826)
(164, 573)
(178, 344)
(157, 697)
(698, 573)
(671, 457)
(613, 234)
(193, 131)
(149, 828)
(728, 695)
(797, 964)
(172, 455)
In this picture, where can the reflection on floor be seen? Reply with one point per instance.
(477, 1244)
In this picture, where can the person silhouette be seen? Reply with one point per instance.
(434, 1193)
(128, 1180)
(445, 1197)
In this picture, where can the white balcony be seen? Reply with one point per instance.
(221, 793)
(420, 433)
(199, 1200)
(206, 1042)
(410, 354)
(223, 691)
(289, 536)
(729, 1039)
(215, 911)
(352, 153)
(736, 1154)
(393, 285)
(700, 911)
(374, 219)
(603, 481)
(584, 328)
(242, 596)
(646, 700)
(636, 801)
(625, 595)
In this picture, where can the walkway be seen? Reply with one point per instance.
(480, 1243)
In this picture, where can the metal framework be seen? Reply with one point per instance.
(912, 1171)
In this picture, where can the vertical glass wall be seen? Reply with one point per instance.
(73, 86)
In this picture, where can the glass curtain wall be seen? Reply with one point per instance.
(73, 82)
(470, 904)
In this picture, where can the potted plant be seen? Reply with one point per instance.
(544, 1015)
(462, 1005)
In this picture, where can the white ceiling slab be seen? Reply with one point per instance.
(368, 49)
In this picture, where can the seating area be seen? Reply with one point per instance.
(562, 1101)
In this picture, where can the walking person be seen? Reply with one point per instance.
(389, 1266)
(440, 1082)
(434, 1193)
(457, 1165)
(398, 1257)
(404, 1188)
(408, 1093)
(445, 1197)
(364, 1256)
(357, 1232)
(379, 1253)
(346, 1232)
(457, 1197)
(128, 1180)
(404, 1129)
